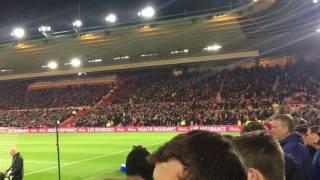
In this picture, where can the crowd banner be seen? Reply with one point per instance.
(219, 129)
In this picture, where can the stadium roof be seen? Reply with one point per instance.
(241, 32)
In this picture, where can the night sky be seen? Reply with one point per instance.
(60, 13)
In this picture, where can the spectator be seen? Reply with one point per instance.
(313, 140)
(198, 155)
(316, 166)
(303, 131)
(137, 165)
(262, 155)
(293, 171)
(291, 143)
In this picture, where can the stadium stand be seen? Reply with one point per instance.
(164, 99)
(206, 98)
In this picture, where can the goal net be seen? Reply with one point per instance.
(8, 140)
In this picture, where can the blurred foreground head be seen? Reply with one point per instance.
(137, 165)
(198, 155)
(262, 155)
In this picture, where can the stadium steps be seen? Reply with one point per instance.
(71, 120)
(111, 95)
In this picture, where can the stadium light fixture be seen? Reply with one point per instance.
(121, 58)
(111, 18)
(215, 47)
(184, 51)
(77, 24)
(82, 74)
(147, 12)
(149, 55)
(75, 62)
(45, 31)
(95, 61)
(5, 70)
(18, 33)
(52, 65)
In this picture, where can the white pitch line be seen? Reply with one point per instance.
(42, 162)
(36, 162)
(89, 159)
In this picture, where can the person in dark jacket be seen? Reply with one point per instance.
(313, 140)
(137, 164)
(293, 170)
(292, 143)
(316, 166)
(16, 169)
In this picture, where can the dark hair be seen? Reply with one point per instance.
(287, 120)
(137, 163)
(204, 154)
(315, 130)
(262, 152)
(253, 126)
(302, 129)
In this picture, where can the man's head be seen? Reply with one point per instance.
(262, 155)
(282, 126)
(13, 151)
(313, 137)
(198, 155)
(304, 131)
(137, 164)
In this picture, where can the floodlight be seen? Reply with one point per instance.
(147, 12)
(18, 33)
(75, 62)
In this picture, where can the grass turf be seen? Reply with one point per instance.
(83, 156)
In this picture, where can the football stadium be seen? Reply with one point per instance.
(160, 90)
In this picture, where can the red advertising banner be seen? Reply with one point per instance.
(219, 129)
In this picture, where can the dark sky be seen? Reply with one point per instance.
(60, 13)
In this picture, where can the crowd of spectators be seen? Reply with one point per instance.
(43, 108)
(209, 98)
(16, 96)
(40, 118)
(162, 98)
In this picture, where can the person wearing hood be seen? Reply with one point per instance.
(292, 143)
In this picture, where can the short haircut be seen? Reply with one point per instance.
(315, 130)
(204, 154)
(262, 152)
(253, 126)
(302, 129)
(287, 120)
(137, 163)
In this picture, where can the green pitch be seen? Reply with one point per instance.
(83, 156)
